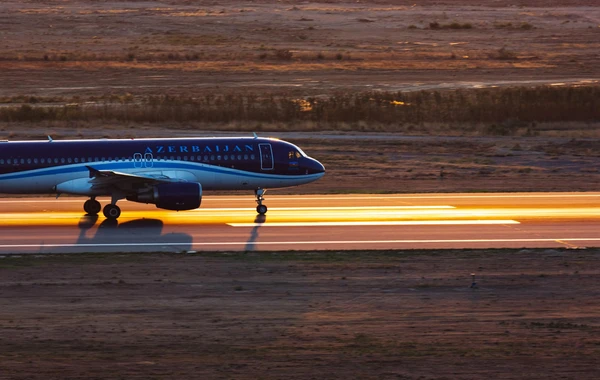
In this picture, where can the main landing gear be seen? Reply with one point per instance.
(261, 209)
(111, 211)
(93, 207)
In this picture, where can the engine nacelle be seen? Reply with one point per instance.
(79, 186)
(172, 196)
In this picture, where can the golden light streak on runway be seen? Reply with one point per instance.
(312, 215)
(395, 221)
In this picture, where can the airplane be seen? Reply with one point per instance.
(170, 173)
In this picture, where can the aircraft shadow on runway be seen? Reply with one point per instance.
(132, 235)
(250, 244)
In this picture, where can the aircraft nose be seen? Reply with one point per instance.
(315, 167)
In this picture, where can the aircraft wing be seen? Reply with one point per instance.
(107, 178)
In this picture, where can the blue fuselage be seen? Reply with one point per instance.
(40, 167)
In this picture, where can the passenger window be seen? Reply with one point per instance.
(29, 160)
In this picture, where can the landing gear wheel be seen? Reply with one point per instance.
(111, 211)
(261, 209)
(92, 207)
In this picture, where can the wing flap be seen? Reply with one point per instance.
(108, 178)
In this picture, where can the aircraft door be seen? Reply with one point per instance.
(148, 160)
(266, 156)
(137, 160)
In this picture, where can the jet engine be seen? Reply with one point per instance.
(172, 196)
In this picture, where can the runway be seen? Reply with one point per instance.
(320, 222)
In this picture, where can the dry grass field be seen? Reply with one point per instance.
(90, 48)
(338, 315)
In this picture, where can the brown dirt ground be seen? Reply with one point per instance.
(338, 315)
(402, 315)
(96, 48)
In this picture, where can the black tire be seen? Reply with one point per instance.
(95, 207)
(92, 207)
(111, 211)
(261, 209)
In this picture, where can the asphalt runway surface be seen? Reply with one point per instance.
(307, 222)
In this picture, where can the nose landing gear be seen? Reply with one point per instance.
(261, 209)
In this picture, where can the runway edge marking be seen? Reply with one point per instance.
(235, 243)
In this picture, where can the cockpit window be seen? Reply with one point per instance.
(294, 154)
(302, 154)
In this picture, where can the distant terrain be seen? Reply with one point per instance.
(90, 48)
